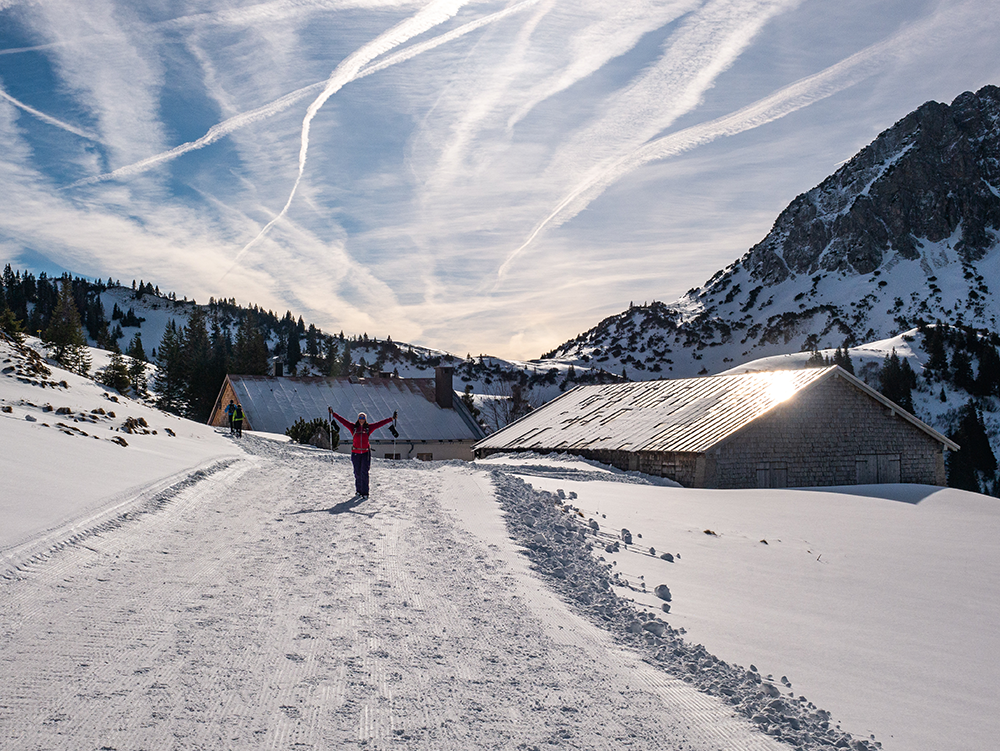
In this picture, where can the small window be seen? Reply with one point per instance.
(392, 456)
(425, 457)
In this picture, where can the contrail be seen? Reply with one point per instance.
(232, 124)
(262, 12)
(215, 133)
(417, 49)
(35, 48)
(48, 118)
(427, 18)
(785, 101)
(705, 45)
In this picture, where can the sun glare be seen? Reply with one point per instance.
(781, 387)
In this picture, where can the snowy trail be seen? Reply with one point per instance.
(244, 614)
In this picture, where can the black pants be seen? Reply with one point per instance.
(362, 465)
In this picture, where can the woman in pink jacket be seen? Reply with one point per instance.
(361, 451)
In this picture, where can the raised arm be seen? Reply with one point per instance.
(342, 421)
(376, 425)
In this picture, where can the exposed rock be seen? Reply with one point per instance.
(927, 176)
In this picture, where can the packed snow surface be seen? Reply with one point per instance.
(193, 591)
(878, 603)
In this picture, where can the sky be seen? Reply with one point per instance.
(481, 177)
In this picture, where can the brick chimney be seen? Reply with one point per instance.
(444, 392)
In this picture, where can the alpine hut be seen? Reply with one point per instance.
(793, 428)
(433, 423)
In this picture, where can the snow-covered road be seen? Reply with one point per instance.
(253, 609)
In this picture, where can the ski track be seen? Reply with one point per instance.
(243, 614)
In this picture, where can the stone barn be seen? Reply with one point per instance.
(433, 423)
(792, 428)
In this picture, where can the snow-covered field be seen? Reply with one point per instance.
(186, 591)
(878, 603)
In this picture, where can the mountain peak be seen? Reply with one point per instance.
(933, 176)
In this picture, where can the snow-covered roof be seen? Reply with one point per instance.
(683, 415)
(274, 404)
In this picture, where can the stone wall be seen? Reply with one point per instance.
(429, 450)
(680, 467)
(830, 434)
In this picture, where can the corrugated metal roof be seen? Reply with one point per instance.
(684, 415)
(274, 404)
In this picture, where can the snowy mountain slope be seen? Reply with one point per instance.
(905, 231)
(70, 447)
(153, 312)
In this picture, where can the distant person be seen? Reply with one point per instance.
(238, 421)
(361, 450)
(230, 409)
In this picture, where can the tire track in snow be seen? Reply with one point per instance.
(84, 653)
(246, 615)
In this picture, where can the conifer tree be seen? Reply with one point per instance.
(842, 357)
(169, 380)
(937, 356)
(115, 374)
(470, 403)
(199, 385)
(346, 365)
(220, 358)
(332, 358)
(16, 299)
(250, 352)
(10, 325)
(987, 381)
(137, 376)
(65, 333)
(312, 342)
(897, 380)
(135, 349)
(293, 350)
(96, 323)
(961, 371)
(816, 359)
(974, 464)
